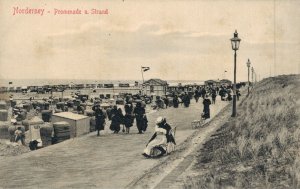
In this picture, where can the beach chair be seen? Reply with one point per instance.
(197, 123)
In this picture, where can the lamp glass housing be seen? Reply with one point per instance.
(235, 41)
(248, 63)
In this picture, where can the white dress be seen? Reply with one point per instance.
(160, 139)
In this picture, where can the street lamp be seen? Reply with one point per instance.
(248, 65)
(235, 43)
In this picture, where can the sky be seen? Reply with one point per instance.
(178, 40)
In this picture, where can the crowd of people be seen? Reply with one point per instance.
(117, 118)
(137, 113)
(133, 112)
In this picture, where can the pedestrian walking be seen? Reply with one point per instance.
(206, 110)
(166, 101)
(141, 119)
(213, 96)
(128, 118)
(229, 93)
(203, 92)
(100, 118)
(175, 101)
(186, 100)
(222, 93)
(238, 94)
(116, 119)
(196, 95)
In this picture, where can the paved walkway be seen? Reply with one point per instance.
(173, 172)
(173, 180)
(108, 161)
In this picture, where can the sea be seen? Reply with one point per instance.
(41, 82)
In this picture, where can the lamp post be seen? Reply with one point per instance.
(248, 65)
(235, 43)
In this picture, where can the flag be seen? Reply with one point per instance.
(145, 69)
(10, 82)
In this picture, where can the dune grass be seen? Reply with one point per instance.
(260, 148)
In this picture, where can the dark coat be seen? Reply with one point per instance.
(100, 118)
(116, 120)
(186, 100)
(175, 102)
(141, 119)
(206, 111)
(128, 108)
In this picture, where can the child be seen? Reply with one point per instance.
(19, 135)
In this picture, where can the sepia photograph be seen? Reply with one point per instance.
(149, 94)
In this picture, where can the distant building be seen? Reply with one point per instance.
(226, 82)
(77, 86)
(179, 88)
(89, 86)
(124, 85)
(110, 85)
(3, 89)
(212, 82)
(156, 87)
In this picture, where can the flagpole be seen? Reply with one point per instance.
(142, 74)
(143, 69)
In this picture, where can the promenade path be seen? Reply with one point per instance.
(108, 161)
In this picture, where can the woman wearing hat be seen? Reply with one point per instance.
(116, 119)
(128, 118)
(141, 119)
(100, 118)
(206, 110)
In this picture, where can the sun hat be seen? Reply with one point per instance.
(159, 120)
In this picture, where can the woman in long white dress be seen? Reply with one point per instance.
(160, 139)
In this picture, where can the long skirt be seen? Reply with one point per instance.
(158, 141)
(128, 120)
(99, 124)
(206, 113)
(141, 123)
(115, 126)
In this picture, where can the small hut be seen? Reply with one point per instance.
(156, 87)
(212, 82)
(226, 82)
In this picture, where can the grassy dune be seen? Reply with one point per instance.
(261, 147)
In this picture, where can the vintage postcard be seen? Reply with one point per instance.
(149, 94)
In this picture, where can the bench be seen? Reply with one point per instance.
(197, 123)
